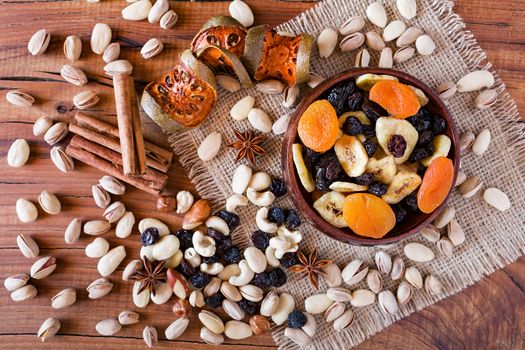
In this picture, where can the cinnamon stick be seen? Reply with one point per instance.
(137, 129)
(156, 156)
(121, 86)
(110, 169)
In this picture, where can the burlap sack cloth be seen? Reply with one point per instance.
(494, 238)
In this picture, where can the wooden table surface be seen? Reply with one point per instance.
(487, 315)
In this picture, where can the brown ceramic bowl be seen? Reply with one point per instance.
(413, 223)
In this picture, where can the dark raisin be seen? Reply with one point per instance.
(231, 219)
(276, 215)
(366, 179)
(289, 260)
(278, 277)
(368, 130)
(355, 100)
(377, 189)
(310, 158)
(262, 280)
(292, 219)
(249, 307)
(210, 259)
(184, 237)
(232, 255)
(411, 201)
(429, 148)
(417, 154)
(199, 280)
(296, 319)
(186, 269)
(216, 235)
(149, 236)
(438, 125)
(278, 187)
(425, 137)
(352, 126)
(214, 300)
(370, 147)
(338, 96)
(421, 121)
(260, 239)
(225, 244)
(397, 145)
(373, 111)
(327, 170)
(400, 213)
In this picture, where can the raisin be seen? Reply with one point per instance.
(214, 300)
(149, 236)
(366, 179)
(262, 280)
(296, 319)
(278, 187)
(417, 154)
(292, 219)
(421, 121)
(278, 277)
(231, 219)
(378, 189)
(327, 170)
(400, 213)
(276, 215)
(355, 101)
(199, 280)
(397, 145)
(184, 237)
(232, 255)
(370, 147)
(438, 125)
(249, 307)
(425, 137)
(216, 235)
(338, 96)
(352, 126)
(186, 269)
(310, 158)
(289, 260)
(260, 239)
(368, 130)
(210, 259)
(411, 201)
(225, 244)
(373, 111)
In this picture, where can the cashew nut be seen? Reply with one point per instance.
(175, 260)
(261, 219)
(280, 243)
(261, 199)
(240, 179)
(244, 277)
(286, 241)
(147, 252)
(218, 224)
(270, 257)
(260, 181)
(279, 253)
(229, 271)
(234, 201)
(293, 236)
(204, 245)
(191, 256)
(184, 201)
(212, 269)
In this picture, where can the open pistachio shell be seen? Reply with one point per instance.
(222, 61)
(222, 31)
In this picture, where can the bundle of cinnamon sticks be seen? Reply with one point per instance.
(121, 151)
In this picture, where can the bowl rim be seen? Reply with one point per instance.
(288, 167)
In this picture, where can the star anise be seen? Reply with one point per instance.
(310, 266)
(248, 145)
(151, 274)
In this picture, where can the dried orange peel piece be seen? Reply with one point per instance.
(368, 215)
(318, 127)
(398, 99)
(436, 184)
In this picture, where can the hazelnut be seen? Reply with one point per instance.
(259, 324)
(198, 213)
(182, 308)
(166, 204)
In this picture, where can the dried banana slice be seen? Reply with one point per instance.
(387, 127)
(330, 207)
(384, 169)
(403, 184)
(366, 81)
(423, 99)
(351, 154)
(346, 187)
(408, 167)
(358, 114)
(442, 146)
(302, 170)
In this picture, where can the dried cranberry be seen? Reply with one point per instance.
(425, 137)
(366, 179)
(149, 236)
(292, 219)
(438, 125)
(186, 269)
(397, 145)
(260, 239)
(352, 126)
(373, 111)
(276, 215)
(289, 260)
(378, 189)
(231, 219)
(355, 101)
(400, 213)
(370, 147)
(278, 187)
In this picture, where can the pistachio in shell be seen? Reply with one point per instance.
(222, 31)
(264, 51)
(182, 98)
(222, 61)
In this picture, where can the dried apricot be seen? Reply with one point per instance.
(396, 98)
(368, 215)
(436, 184)
(318, 127)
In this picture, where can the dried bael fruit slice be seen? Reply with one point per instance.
(396, 98)
(330, 207)
(222, 31)
(183, 98)
(436, 184)
(268, 55)
(352, 155)
(222, 61)
(442, 144)
(366, 81)
(403, 184)
(368, 215)
(397, 138)
(304, 175)
(318, 127)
